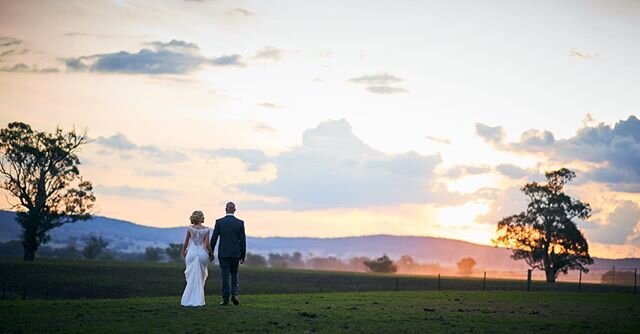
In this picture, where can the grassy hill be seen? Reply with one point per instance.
(365, 312)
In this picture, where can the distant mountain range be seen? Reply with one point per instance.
(129, 237)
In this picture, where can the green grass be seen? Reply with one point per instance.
(72, 279)
(365, 312)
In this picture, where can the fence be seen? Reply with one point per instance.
(109, 282)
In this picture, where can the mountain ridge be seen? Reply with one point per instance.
(130, 237)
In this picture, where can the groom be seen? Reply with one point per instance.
(232, 250)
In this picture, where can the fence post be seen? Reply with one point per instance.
(635, 280)
(438, 282)
(397, 284)
(528, 279)
(580, 282)
(484, 282)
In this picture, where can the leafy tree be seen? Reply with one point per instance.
(325, 263)
(620, 277)
(545, 235)
(94, 247)
(381, 265)
(255, 260)
(40, 170)
(465, 266)
(152, 254)
(174, 251)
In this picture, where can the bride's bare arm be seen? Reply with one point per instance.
(186, 243)
(209, 250)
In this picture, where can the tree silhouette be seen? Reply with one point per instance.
(465, 266)
(40, 170)
(174, 251)
(255, 260)
(545, 235)
(153, 253)
(381, 265)
(94, 247)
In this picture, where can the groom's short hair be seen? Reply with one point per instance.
(230, 207)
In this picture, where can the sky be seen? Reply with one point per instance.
(338, 118)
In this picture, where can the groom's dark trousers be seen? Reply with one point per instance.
(229, 267)
(232, 249)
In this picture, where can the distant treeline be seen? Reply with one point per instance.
(93, 247)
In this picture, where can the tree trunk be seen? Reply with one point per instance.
(29, 252)
(551, 275)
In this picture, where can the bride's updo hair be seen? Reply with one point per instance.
(196, 217)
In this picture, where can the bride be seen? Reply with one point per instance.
(197, 252)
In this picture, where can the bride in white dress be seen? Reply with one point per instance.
(196, 252)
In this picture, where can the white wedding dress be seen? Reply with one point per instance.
(196, 273)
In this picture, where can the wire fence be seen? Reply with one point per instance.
(265, 281)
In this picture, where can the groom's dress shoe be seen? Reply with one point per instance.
(224, 302)
(235, 300)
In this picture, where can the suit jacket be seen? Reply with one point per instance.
(233, 241)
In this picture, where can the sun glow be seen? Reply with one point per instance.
(462, 215)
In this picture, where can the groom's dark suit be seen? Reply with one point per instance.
(232, 249)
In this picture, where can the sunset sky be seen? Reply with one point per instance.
(338, 118)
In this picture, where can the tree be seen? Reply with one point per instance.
(620, 277)
(40, 170)
(174, 251)
(94, 247)
(152, 254)
(255, 260)
(545, 235)
(381, 265)
(465, 266)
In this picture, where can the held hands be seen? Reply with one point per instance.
(184, 253)
(242, 261)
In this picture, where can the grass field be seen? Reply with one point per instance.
(365, 312)
(65, 296)
(71, 279)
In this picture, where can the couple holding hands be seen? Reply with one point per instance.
(198, 249)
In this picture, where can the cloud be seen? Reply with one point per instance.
(269, 53)
(119, 143)
(10, 46)
(134, 192)
(230, 60)
(174, 57)
(438, 140)
(379, 83)
(616, 149)
(6, 41)
(460, 171)
(334, 168)
(582, 55)
(176, 44)
(260, 126)
(504, 203)
(24, 68)
(385, 90)
(240, 12)
(253, 159)
(622, 223)
(376, 79)
(512, 171)
(269, 105)
(492, 134)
